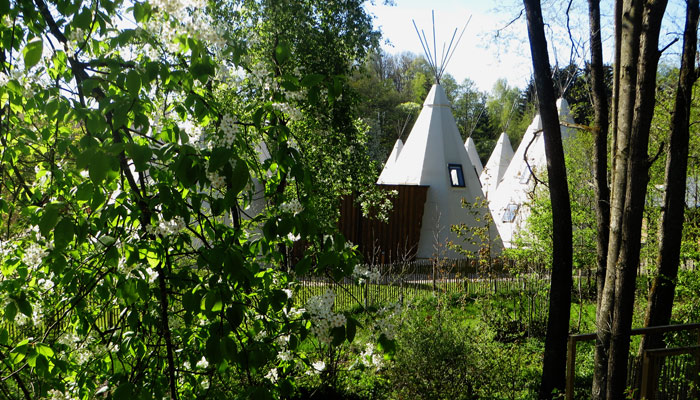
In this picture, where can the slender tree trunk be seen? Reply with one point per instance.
(670, 232)
(627, 49)
(600, 160)
(554, 363)
(635, 194)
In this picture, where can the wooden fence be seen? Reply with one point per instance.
(671, 374)
(401, 280)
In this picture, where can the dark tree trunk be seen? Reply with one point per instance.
(628, 24)
(670, 232)
(635, 194)
(554, 363)
(600, 159)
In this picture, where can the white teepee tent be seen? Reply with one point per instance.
(392, 157)
(496, 165)
(433, 155)
(509, 203)
(470, 146)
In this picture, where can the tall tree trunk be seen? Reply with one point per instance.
(635, 194)
(554, 363)
(670, 233)
(627, 47)
(600, 159)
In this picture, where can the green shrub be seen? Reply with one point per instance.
(433, 358)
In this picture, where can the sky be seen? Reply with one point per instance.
(482, 57)
(477, 56)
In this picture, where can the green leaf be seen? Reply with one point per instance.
(48, 219)
(311, 80)
(240, 177)
(133, 82)
(219, 157)
(191, 302)
(98, 167)
(202, 68)
(387, 346)
(141, 156)
(139, 12)
(229, 348)
(84, 192)
(235, 315)
(212, 301)
(63, 234)
(338, 334)
(303, 266)
(44, 350)
(106, 240)
(351, 329)
(213, 350)
(83, 19)
(10, 311)
(32, 52)
(125, 391)
(282, 52)
(24, 306)
(95, 123)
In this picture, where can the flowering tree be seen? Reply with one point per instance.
(157, 163)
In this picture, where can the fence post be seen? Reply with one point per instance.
(570, 368)
(649, 376)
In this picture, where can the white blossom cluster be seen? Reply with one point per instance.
(45, 284)
(293, 206)
(76, 35)
(291, 111)
(283, 342)
(167, 228)
(34, 255)
(202, 364)
(77, 347)
(260, 75)
(54, 394)
(193, 22)
(217, 181)
(322, 316)
(4, 79)
(318, 366)
(386, 325)
(6, 248)
(371, 358)
(294, 313)
(363, 274)
(272, 375)
(42, 177)
(151, 274)
(123, 267)
(229, 129)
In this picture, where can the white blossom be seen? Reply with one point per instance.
(203, 363)
(45, 284)
(34, 255)
(322, 317)
(229, 129)
(318, 366)
(272, 375)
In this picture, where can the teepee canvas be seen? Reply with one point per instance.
(433, 155)
(392, 157)
(470, 146)
(496, 165)
(509, 203)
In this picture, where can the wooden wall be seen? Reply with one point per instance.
(381, 242)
